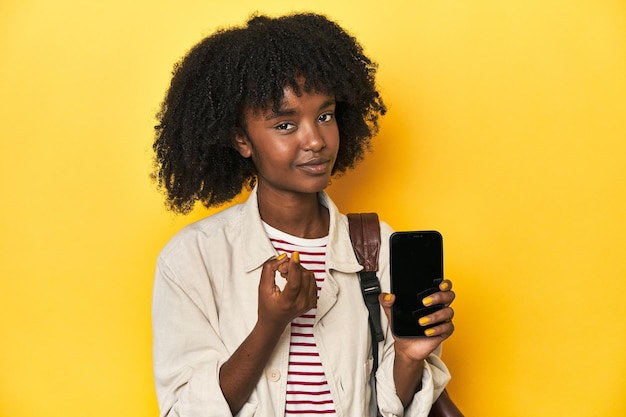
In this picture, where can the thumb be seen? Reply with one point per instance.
(386, 300)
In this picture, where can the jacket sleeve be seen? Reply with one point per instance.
(187, 349)
(435, 375)
(434, 380)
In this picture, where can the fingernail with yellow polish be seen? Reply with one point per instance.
(281, 256)
(387, 297)
(427, 301)
(429, 332)
(296, 257)
(444, 286)
(423, 321)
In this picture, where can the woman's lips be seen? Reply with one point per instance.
(315, 166)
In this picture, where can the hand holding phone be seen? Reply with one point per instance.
(416, 270)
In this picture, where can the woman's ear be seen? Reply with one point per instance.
(242, 144)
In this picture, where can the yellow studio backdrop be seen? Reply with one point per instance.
(506, 131)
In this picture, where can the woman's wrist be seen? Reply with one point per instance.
(407, 376)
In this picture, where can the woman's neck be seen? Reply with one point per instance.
(300, 215)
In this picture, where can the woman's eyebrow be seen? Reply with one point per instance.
(280, 113)
(328, 103)
(290, 112)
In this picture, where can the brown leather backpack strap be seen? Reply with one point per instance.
(365, 236)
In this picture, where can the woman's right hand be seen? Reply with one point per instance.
(299, 295)
(241, 372)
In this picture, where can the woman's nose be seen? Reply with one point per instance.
(313, 139)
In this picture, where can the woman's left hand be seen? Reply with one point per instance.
(418, 348)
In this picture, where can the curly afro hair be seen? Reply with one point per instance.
(248, 68)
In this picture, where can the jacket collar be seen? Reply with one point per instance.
(257, 248)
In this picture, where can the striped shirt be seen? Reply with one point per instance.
(308, 393)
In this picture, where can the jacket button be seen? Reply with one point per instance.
(273, 375)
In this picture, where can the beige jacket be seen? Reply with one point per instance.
(205, 305)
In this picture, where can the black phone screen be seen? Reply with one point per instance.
(416, 269)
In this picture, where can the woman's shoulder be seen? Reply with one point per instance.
(213, 229)
(385, 228)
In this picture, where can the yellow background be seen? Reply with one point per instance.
(506, 131)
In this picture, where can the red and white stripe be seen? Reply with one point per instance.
(308, 393)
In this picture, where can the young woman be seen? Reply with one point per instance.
(257, 309)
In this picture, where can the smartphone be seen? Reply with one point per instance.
(416, 270)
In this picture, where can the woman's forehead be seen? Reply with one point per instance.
(289, 98)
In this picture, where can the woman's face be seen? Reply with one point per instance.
(294, 149)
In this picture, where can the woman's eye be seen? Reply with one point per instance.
(326, 117)
(284, 126)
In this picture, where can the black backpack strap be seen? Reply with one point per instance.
(365, 236)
